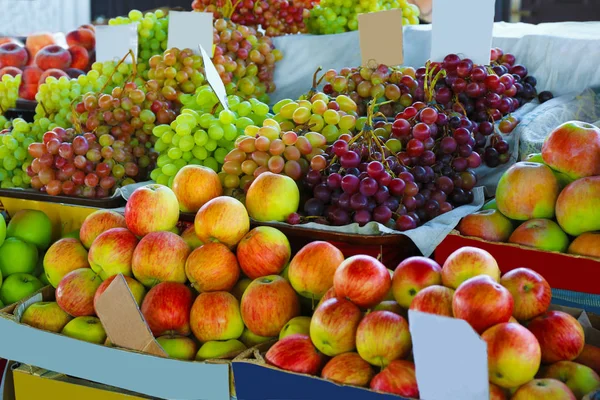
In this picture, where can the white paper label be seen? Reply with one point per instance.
(188, 28)
(213, 78)
(113, 42)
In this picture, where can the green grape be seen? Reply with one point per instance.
(211, 163)
(174, 153)
(169, 170)
(220, 154)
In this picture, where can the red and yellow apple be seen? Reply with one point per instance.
(562, 178)
(530, 291)
(87, 328)
(468, 262)
(577, 206)
(295, 353)
(224, 220)
(216, 316)
(62, 257)
(217, 349)
(579, 378)
(112, 252)
(212, 268)
(178, 347)
(194, 186)
(272, 197)
(295, 325)
(489, 225)
(412, 275)
(76, 290)
(363, 280)
(560, 335)
(263, 251)
(333, 326)
(497, 393)
(546, 389)
(392, 306)
(151, 208)
(540, 233)
(45, 315)
(399, 377)
(160, 257)
(98, 222)
(587, 244)
(166, 309)
(249, 339)
(240, 287)
(434, 299)
(382, 337)
(348, 369)
(190, 237)
(137, 289)
(590, 356)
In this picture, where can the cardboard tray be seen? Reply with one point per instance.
(114, 201)
(562, 271)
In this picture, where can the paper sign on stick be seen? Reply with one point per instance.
(113, 42)
(188, 28)
(213, 78)
(462, 27)
(450, 358)
(380, 36)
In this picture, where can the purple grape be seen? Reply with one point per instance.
(344, 201)
(313, 207)
(459, 164)
(371, 204)
(340, 217)
(322, 193)
(392, 203)
(409, 202)
(382, 214)
(350, 184)
(405, 223)
(352, 171)
(368, 186)
(334, 181)
(358, 201)
(362, 217)
(383, 193)
(335, 196)
(464, 150)
(313, 177)
(448, 145)
(428, 157)
(438, 196)
(445, 184)
(349, 160)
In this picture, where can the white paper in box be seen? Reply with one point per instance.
(188, 28)
(113, 42)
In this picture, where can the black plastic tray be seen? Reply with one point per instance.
(115, 201)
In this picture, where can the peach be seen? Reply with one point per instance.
(32, 74)
(56, 73)
(587, 244)
(489, 225)
(12, 71)
(577, 206)
(80, 57)
(543, 234)
(83, 37)
(36, 42)
(28, 91)
(53, 56)
(573, 148)
(13, 55)
(74, 72)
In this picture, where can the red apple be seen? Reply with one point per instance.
(587, 244)
(137, 289)
(482, 302)
(543, 234)
(468, 262)
(577, 206)
(98, 222)
(560, 335)
(590, 356)
(348, 369)
(382, 337)
(268, 304)
(53, 56)
(13, 55)
(64, 256)
(194, 186)
(166, 309)
(574, 149)
(151, 208)
(80, 57)
(363, 280)
(530, 291)
(212, 267)
(546, 389)
(413, 275)
(112, 252)
(497, 393)
(190, 237)
(579, 378)
(76, 290)
(434, 300)
(513, 355)
(312, 269)
(295, 353)
(328, 295)
(399, 377)
(489, 225)
(216, 316)
(263, 251)
(333, 326)
(36, 42)
(83, 37)
(32, 74)
(160, 257)
(12, 71)
(52, 72)
(223, 219)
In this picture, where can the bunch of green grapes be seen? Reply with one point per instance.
(9, 91)
(14, 158)
(203, 133)
(153, 28)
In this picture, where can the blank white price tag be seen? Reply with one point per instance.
(213, 78)
(113, 42)
(188, 28)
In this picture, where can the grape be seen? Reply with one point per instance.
(9, 92)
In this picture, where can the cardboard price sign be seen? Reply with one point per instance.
(380, 36)
(113, 42)
(187, 29)
(213, 78)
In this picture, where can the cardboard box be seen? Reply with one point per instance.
(132, 370)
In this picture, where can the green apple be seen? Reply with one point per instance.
(579, 378)
(490, 205)
(178, 347)
(33, 226)
(43, 278)
(285, 272)
(295, 325)
(73, 234)
(18, 286)
(220, 349)
(2, 229)
(17, 256)
(1, 304)
(88, 329)
(250, 339)
(240, 287)
(46, 315)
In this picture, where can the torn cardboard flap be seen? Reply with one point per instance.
(380, 38)
(123, 321)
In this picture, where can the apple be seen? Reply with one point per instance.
(577, 206)
(399, 377)
(62, 257)
(224, 220)
(272, 197)
(160, 257)
(32, 226)
(250, 339)
(178, 347)
(527, 190)
(296, 325)
(13, 55)
(413, 275)
(32, 74)
(295, 353)
(79, 56)
(214, 349)
(434, 299)
(312, 269)
(2, 229)
(12, 71)
(54, 72)
(546, 389)
(76, 290)
(212, 267)
(19, 286)
(194, 186)
(36, 42)
(348, 369)
(489, 225)
(363, 280)
(590, 356)
(151, 208)
(560, 335)
(392, 306)
(513, 354)
(111, 253)
(268, 304)
(468, 262)
(216, 316)
(587, 244)
(240, 287)
(328, 295)
(497, 393)
(574, 149)
(530, 291)
(263, 251)
(53, 56)
(540, 233)
(137, 289)
(333, 326)
(562, 178)
(490, 205)
(190, 237)
(382, 337)
(17, 256)
(45, 315)
(579, 378)
(88, 329)
(83, 37)
(166, 309)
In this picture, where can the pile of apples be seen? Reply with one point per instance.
(42, 57)
(550, 201)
